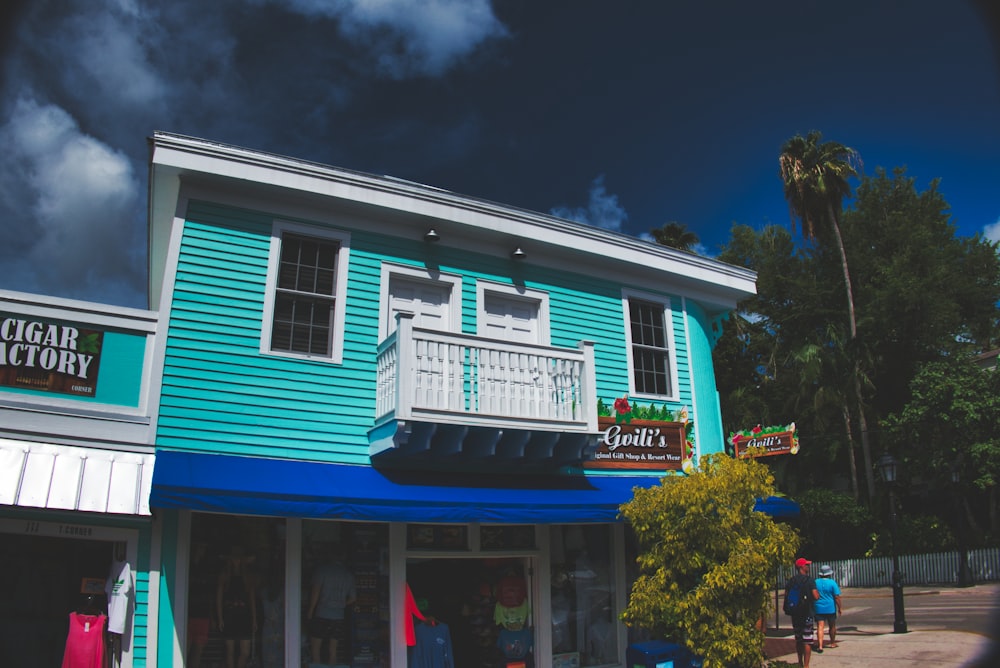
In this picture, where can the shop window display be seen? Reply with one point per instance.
(59, 588)
(584, 627)
(236, 591)
(345, 594)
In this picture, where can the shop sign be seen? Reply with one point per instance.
(641, 437)
(640, 444)
(765, 441)
(59, 529)
(49, 356)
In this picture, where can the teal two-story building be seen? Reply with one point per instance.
(425, 381)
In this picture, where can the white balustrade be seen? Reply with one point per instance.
(446, 377)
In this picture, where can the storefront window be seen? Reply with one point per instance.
(236, 578)
(345, 593)
(583, 595)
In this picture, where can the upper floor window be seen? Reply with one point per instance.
(649, 347)
(304, 310)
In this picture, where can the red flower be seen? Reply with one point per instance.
(756, 430)
(621, 405)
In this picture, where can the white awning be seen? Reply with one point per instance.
(63, 477)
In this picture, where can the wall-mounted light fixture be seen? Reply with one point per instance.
(432, 236)
(518, 254)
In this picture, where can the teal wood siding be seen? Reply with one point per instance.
(709, 422)
(221, 394)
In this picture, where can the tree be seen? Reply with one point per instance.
(675, 235)
(708, 560)
(815, 176)
(949, 425)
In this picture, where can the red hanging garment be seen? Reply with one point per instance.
(411, 610)
(85, 641)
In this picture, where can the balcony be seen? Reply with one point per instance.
(448, 400)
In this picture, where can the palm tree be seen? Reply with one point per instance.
(675, 235)
(815, 176)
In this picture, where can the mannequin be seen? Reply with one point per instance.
(333, 590)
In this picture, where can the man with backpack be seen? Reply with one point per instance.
(800, 592)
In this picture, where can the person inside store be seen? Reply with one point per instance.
(236, 606)
(333, 591)
(201, 594)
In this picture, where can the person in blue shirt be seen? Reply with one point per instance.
(827, 606)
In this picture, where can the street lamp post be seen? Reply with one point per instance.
(964, 575)
(887, 465)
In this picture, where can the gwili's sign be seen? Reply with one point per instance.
(765, 441)
(49, 356)
(638, 438)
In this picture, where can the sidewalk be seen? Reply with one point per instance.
(882, 647)
(877, 645)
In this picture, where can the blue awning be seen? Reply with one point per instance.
(778, 507)
(284, 488)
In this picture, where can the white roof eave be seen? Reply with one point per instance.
(176, 156)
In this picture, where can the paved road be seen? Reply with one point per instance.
(948, 627)
(975, 609)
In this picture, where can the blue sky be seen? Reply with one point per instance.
(625, 115)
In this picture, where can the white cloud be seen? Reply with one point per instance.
(79, 195)
(411, 36)
(992, 232)
(602, 210)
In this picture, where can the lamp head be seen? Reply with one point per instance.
(887, 466)
(432, 236)
(518, 254)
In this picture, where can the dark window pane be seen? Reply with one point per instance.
(650, 356)
(303, 304)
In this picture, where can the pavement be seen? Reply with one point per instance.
(877, 645)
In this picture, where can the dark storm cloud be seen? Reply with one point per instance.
(680, 107)
(86, 83)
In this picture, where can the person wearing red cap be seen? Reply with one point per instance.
(802, 587)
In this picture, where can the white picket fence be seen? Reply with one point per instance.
(916, 569)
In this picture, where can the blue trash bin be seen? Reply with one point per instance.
(656, 654)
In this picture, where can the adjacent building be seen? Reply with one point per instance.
(76, 465)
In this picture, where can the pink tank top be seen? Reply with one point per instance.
(85, 642)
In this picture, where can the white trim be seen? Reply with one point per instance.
(507, 290)
(279, 228)
(453, 282)
(175, 157)
(293, 590)
(153, 599)
(671, 347)
(166, 303)
(691, 375)
(182, 585)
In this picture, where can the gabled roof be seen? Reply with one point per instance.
(177, 160)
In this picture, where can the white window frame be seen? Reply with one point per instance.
(516, 292)
(671, 347)
(278, 230)
(452, 282)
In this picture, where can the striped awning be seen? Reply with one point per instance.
(64, 477)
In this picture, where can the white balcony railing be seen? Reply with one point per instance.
(437, 376)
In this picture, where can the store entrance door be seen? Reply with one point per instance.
(48, 578)
(484, 604)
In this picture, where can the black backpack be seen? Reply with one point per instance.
(796, 601)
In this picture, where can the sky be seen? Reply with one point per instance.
(624, 114)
